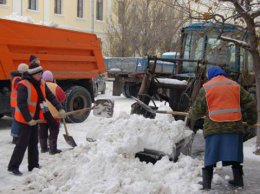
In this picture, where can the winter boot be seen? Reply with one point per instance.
(44, 146)
(207, 174)
(15, 171)
(238, 176)
(53, 148)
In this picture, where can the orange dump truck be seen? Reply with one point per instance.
(74, 58)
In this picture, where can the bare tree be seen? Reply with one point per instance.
(143, 27)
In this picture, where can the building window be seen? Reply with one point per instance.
(33, 4)
(80, 9)
(99, 13)
(58, 7)
(2, 1)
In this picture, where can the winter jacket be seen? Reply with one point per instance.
(32, 101)
(200, 109)
(22, 101)
(16, 77)
(59, 93)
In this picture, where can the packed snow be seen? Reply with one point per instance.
(104, 160)
(16, 17)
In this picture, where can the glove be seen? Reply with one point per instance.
(62, 113)
(32, 122)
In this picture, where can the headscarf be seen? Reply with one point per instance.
(215, 71)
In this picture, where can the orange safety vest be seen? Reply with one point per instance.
(223, 99)
(31, 101)
(13, 96)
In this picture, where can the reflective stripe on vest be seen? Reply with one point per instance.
(13, 96)
(32, 100)
(223, 99)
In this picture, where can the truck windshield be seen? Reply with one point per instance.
(207, 46)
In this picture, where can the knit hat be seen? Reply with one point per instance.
(34, 68)
(215, 71)
(47, 76)
(22, 67)
(33, 58)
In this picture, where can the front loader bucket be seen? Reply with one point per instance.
(184, 146)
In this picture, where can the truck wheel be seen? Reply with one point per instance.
(104, 89)
(125, 91)
(176, 103)
(130, 90)
(77, 98)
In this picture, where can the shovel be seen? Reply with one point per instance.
(149, 109)
(101, 108)
(69, 139)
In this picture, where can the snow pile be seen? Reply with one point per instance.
(87, 171)
(132, 133)
(16, 17)
(108, 165)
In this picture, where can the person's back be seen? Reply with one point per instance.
(16, 77)
(221, 101)
(54, 127)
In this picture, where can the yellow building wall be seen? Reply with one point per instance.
(7, 9)
(68, 18)
(36, 15)
(99, 25)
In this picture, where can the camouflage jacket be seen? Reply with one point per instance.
(200, 109)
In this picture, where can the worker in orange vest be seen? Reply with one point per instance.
(45, 127)
(16, 77)
(221, 101)
(31, 106)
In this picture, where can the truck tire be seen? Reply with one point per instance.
(178, 102)
(125, 91)
(104, 89)
(130, 90)
(77, 98)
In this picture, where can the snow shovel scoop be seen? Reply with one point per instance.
(149, 109)
(69, 139)
(101, 108)
(183, 146)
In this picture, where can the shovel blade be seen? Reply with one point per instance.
(69, 139)
(104, 108)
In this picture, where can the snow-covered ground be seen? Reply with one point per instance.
(108, 165)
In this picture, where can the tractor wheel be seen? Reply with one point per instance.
(77, 98)
(130, 90)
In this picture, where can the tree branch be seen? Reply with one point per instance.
(236, 42)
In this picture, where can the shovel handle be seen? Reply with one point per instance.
(173, 113)
(65, 127)
(79, 111)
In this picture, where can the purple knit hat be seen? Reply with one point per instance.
(47, 76)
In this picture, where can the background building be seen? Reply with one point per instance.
(80, 15)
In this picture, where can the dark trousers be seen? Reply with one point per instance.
(53, 130)
(28, 137)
